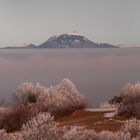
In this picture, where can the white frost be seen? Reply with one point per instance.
(110, 114)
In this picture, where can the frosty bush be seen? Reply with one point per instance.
(132, 126)
(62, 98)
(57, 100)
(81, 133)
(27, 93)
(16, 117)
(6, 136)
(131, 100)
(44, 127)
(41, 127)
(107, 135)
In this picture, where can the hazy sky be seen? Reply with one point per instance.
(34, 21)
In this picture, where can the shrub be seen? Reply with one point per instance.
(26, 93)
(32, 99)
(16, 117)
(131, 101)
(81, 133)
(41, 127)
(6, 136)
(51, 99)
(44, 127)
(132, 126)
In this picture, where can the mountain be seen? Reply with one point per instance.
(66, 41)
(72, 41)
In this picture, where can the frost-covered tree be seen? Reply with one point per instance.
(130, 100)
(62, 98)
(32, 99)
(41, 127)
(58, 99)
(64, 92)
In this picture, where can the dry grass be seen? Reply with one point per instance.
(92, 120)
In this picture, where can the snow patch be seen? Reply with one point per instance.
(110, 114)
(85, 39)
(100, 109)
(52, 38)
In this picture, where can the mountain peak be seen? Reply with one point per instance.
(72, 40)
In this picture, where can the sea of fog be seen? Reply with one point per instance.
(99, 74)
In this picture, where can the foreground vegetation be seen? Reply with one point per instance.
(56, 113)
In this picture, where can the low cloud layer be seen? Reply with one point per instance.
(97, 73)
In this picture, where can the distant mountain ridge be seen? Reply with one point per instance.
(69, 41)
(21, 47)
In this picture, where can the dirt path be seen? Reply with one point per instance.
(93, 119)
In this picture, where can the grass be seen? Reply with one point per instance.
(92, 120)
